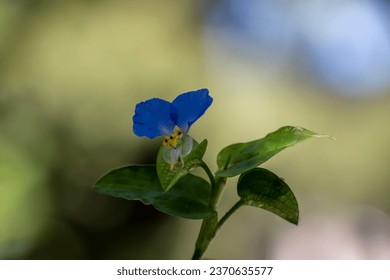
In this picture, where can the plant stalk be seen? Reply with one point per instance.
(227, 215)
(210, 225)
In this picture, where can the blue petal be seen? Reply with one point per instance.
(188, 107)
(152, 118)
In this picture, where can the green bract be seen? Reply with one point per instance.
(169, 174)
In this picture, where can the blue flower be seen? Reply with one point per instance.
(157, 117)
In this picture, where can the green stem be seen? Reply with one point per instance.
(206, 234)
(208, 172)
(209, 229)
(209, 226)
(229, 213)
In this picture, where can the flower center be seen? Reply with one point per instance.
(173, 140)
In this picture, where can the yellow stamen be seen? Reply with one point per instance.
(173, 140)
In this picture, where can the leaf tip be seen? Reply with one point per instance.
(295, 221)
(324, 136)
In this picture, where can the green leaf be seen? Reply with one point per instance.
(170, 174)
(241, 157)
(189, 198)
(262, 188)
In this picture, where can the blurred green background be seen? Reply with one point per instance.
(71, 73)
